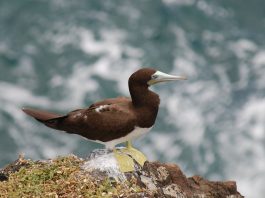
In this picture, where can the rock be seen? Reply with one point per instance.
(171, 182)
(173, 190)
(74, 177)
(148, 182)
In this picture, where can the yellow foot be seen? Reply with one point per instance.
(125, 162)
(137, 155)
(126, 156)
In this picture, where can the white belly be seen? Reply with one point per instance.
(137, 132)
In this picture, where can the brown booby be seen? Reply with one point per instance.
(115, 120)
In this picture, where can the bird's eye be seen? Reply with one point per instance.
(154, 76)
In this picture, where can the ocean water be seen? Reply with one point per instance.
(61, 55)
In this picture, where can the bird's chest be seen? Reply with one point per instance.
(146, 117)
(139, 131)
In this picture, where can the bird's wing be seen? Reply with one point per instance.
(109, 101)
(104, 120)
(101, 122)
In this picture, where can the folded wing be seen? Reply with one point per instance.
(102, 121)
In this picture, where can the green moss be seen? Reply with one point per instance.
(62, 177)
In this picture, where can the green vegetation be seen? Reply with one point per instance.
(62, 177)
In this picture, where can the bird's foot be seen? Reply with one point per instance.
(125, 162)
(137, 155)
(126, 156)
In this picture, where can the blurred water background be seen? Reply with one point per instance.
(63, 54)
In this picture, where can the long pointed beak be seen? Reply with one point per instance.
(159, 76)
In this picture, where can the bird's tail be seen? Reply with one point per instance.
(49, 119)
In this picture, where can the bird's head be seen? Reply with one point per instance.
(149, 76)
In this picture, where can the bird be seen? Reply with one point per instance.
(114, 120)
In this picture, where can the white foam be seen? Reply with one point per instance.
(27, 134)
(259, 59)
(243, 46)
(179, 2)
(19, 95)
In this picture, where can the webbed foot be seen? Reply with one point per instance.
(125, 162)
(126, 156)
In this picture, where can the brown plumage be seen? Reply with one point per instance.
(113, 118)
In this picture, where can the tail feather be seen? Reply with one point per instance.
(51, 120)
(39, 115)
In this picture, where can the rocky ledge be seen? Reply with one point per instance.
(71, 176)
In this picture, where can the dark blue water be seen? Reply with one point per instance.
(61, 54)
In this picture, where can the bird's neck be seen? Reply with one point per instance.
(143, 97)
(146, 105)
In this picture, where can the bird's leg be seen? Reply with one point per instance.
(129, 144)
